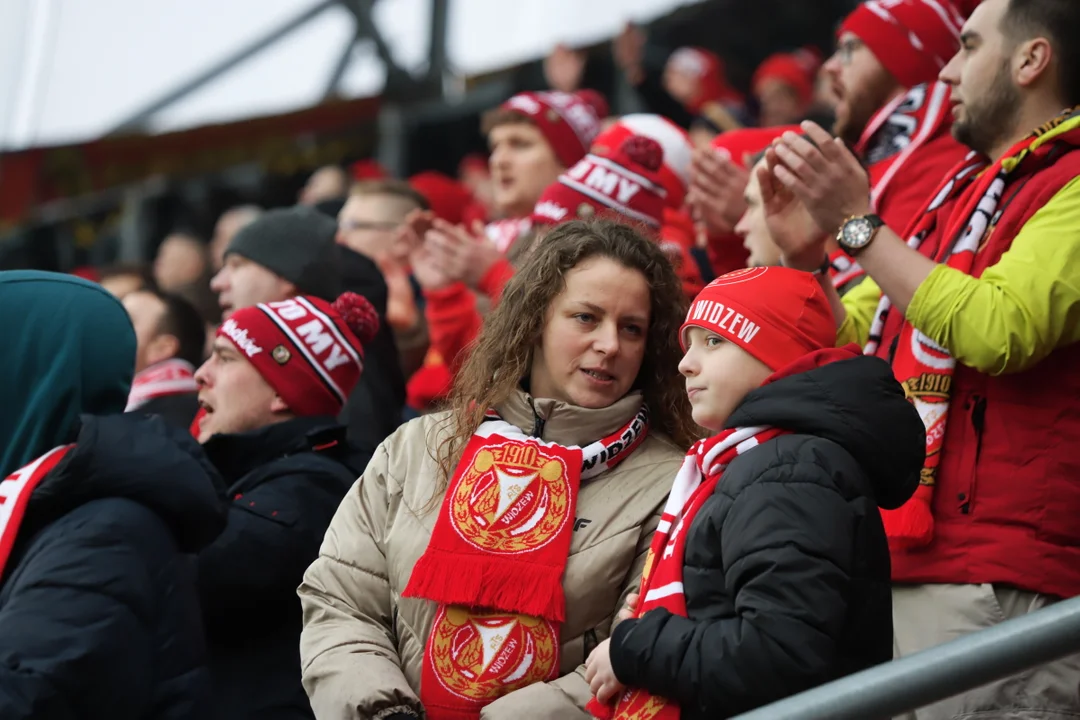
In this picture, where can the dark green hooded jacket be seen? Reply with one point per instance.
(99, 614)
(68, 348)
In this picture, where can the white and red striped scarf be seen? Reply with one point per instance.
(662, 579)
(895, 133)
(169, 377)
(15, 492)
(920, 364)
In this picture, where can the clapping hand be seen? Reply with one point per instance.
(790, 224)
(716, 190)
(828, 179)
(463, 255)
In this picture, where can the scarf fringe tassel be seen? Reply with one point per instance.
(520, 588)
(912, 524)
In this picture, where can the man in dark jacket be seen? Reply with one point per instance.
(289, 252)
(98, 610)
(170, 337)
(769, 573)
(278, 375)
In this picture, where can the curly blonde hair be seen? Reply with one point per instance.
(503, 353)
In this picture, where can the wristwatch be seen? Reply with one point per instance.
(857, 232)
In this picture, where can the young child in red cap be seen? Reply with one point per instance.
(769, 571)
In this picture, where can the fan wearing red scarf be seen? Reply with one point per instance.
(769, 571)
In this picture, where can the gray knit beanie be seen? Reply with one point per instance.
(297, 244)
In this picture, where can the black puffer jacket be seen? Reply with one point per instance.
(787, 567)
(285, 482)
(99, 616)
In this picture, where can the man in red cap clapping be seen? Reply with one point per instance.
(891, 110)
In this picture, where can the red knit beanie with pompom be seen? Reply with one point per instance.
(310, 351)
(624, 185)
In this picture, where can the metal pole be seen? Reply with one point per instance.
(392, 151)
(437, 55)
(361, 11)
(918, 680)
(138, 118)
(341, 66)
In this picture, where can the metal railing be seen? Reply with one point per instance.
(940, 672)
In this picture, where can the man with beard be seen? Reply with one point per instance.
(976, 307)
(890, 111)
(889, 108)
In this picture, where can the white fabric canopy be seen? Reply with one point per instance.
(71, 70)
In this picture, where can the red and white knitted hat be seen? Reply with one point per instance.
(625, 185)
(774, 313)
(567, 120)
(310, 351)
(674, 174)
(913, 39)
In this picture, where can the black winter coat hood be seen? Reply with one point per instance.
(854, 403)
(144, 460)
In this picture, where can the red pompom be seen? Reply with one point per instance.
(644, 151)
(359, 314)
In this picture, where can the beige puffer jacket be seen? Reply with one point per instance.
(362, 646)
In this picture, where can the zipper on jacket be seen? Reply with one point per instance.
(538, 422)
(978, 420)
(589, 643)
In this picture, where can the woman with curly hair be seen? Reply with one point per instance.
(486, 550)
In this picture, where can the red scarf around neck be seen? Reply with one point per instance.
(495, 563)
(922, 366)
(170, 377)
(15, 493)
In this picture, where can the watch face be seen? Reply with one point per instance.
(857, 233)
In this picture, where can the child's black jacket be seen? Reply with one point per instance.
(787, 574)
